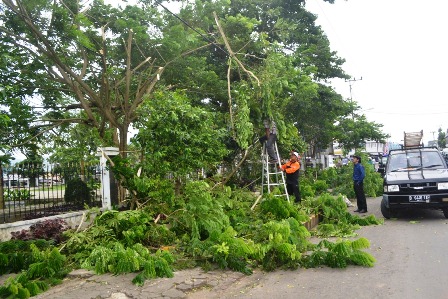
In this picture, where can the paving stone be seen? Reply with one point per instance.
(184, 287)
(118, 296)
(80, 273)
(173, 293)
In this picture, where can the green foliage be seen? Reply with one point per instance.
(341, 179)
(16, 255)
(203, 214)
(336, 220)
(270, 241)
(441, 138)
(189, 138)
(279, 241)
(118, 259)
(271, 236)
(339, 254)
(16, 195)
(307, 190)
(311, 187)
(230, 251)
(156, 192)
(320, 186)
(237, 204)
(275, 207)
(49, 264)
(243, 126)
(127, 227)
(72, 143)
(159, 235)
(353, 131)
(47, 268)
(77, 193)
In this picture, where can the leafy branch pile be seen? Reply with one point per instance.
(207, 228)
(38, 263)
(336, 220)
(340, 179)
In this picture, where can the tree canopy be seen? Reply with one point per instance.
(101, 66)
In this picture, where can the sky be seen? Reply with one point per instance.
(399, 48)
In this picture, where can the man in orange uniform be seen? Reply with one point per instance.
(291, 168)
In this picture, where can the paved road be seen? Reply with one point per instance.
(412, 262)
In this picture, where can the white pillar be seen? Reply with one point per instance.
(103, 153)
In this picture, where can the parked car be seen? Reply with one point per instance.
(382, 165)
(415, 178)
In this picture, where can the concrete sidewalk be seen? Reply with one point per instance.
(83, 284)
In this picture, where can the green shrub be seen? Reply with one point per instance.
(77, 193)
(17, 195)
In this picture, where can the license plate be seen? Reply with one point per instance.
(419, 198)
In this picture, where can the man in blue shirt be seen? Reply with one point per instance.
(358, 184)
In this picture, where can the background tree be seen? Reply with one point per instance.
(72, 143)
(441, 139)
(353, 132)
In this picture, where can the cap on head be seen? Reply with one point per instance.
(295, 154)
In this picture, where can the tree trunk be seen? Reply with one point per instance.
(177, 186)
(123, 141)
(122, 148)
(2, 199)
(83, 171)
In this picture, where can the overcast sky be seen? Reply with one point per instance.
(399, 48)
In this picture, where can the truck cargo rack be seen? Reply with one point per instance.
(413, 139)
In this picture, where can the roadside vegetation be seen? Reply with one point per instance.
(204, 227)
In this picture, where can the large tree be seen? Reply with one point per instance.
(95, 64)
(90, 57)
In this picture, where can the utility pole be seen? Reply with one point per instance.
(433, 137)
(350, 84)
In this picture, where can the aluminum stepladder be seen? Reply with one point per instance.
(272, 177)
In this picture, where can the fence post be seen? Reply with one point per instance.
(109, 188)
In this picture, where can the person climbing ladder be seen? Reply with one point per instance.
(270, 138)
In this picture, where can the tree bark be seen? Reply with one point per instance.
(2, 198)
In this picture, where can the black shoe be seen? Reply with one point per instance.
(274, 161)
(357, 210)
(363, 211)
